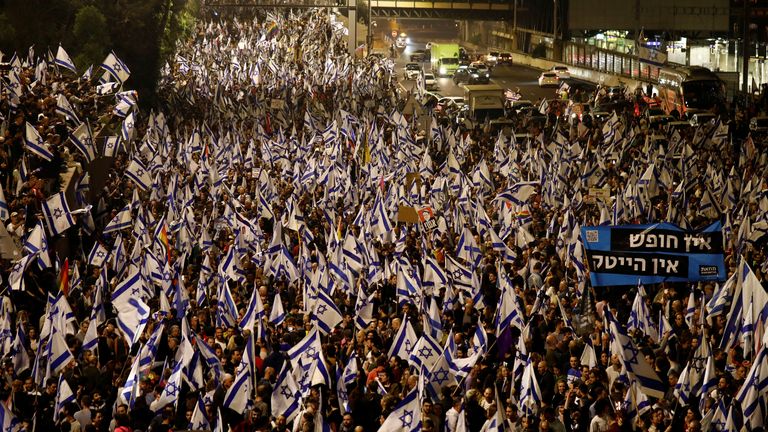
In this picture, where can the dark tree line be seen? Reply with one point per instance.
(142, 33)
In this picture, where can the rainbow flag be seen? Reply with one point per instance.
(272, 30)
(64, 277)
(164, 240)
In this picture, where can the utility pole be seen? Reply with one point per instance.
(514, 25)
(745, 49)
(554, 23)
(352, 43)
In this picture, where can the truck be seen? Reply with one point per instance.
(484, 101)
(444, 58)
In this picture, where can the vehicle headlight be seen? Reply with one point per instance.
(442, 69)
(475, 75)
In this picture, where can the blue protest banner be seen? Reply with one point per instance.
(655, 253)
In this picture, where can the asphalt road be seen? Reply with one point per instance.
(513, 77)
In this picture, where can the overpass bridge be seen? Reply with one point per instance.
(482, 10)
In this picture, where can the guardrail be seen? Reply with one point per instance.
(500, 5)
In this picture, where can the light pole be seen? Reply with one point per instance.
(746, 49)
(369, 36)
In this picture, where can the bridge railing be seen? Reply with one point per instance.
(274, 3)
(501, 5)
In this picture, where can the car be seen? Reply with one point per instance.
(412, 71)
(615, 92)
(463, 117)
(562, 72)
(430, 99)
(523, 139)
(601, 115)
(430, 83)
(463, 55)
(492, 58)
(518, 105)
(654, 111)
(702, 118)
(505, 59)
(758, 124)
(660, 120)
(470, 75)
(402, 41)
(418, 56)
(678, 125)
(534, 118)
(502, 125)
(481, 68)
(576, 110)
(548, 79)
(449, 102)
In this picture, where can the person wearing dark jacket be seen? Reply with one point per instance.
(546, 380)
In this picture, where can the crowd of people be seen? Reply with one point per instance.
(242, 256)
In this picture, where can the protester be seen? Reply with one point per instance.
(240, 256)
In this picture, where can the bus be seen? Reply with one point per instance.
(689, 89)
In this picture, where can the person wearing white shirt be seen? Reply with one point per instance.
(452, 415)
(601, 422)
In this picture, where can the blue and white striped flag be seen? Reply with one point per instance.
(459, 275)
(98, 255)
(97, 317)
(137, 172)
(114, 67)
(277, 313)
(64, 396)
(122, 220)
(406, 417)
(425, 353)
(518, 193)
(82, 139)
(34, 143)
(307, 349)
(199, 420)
(37, 243)
(227, 311)
(64, 108)
(467, 248)
(16, 276)
(254, 312)
(363, 309)
(8, 420)
(404, 341)
(58, 353)
(111, 145)
(63, 60)
(326, 314)
(530, 395)
(57, 214)
(286, 396)
(752, 394)
(132, 316)
(637, 367)
(170, 394)
(238, 395)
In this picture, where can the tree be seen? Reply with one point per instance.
(7, 34)
(90, 30)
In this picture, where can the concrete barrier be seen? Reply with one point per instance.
(590, 75)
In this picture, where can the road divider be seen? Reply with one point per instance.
(585, 74)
